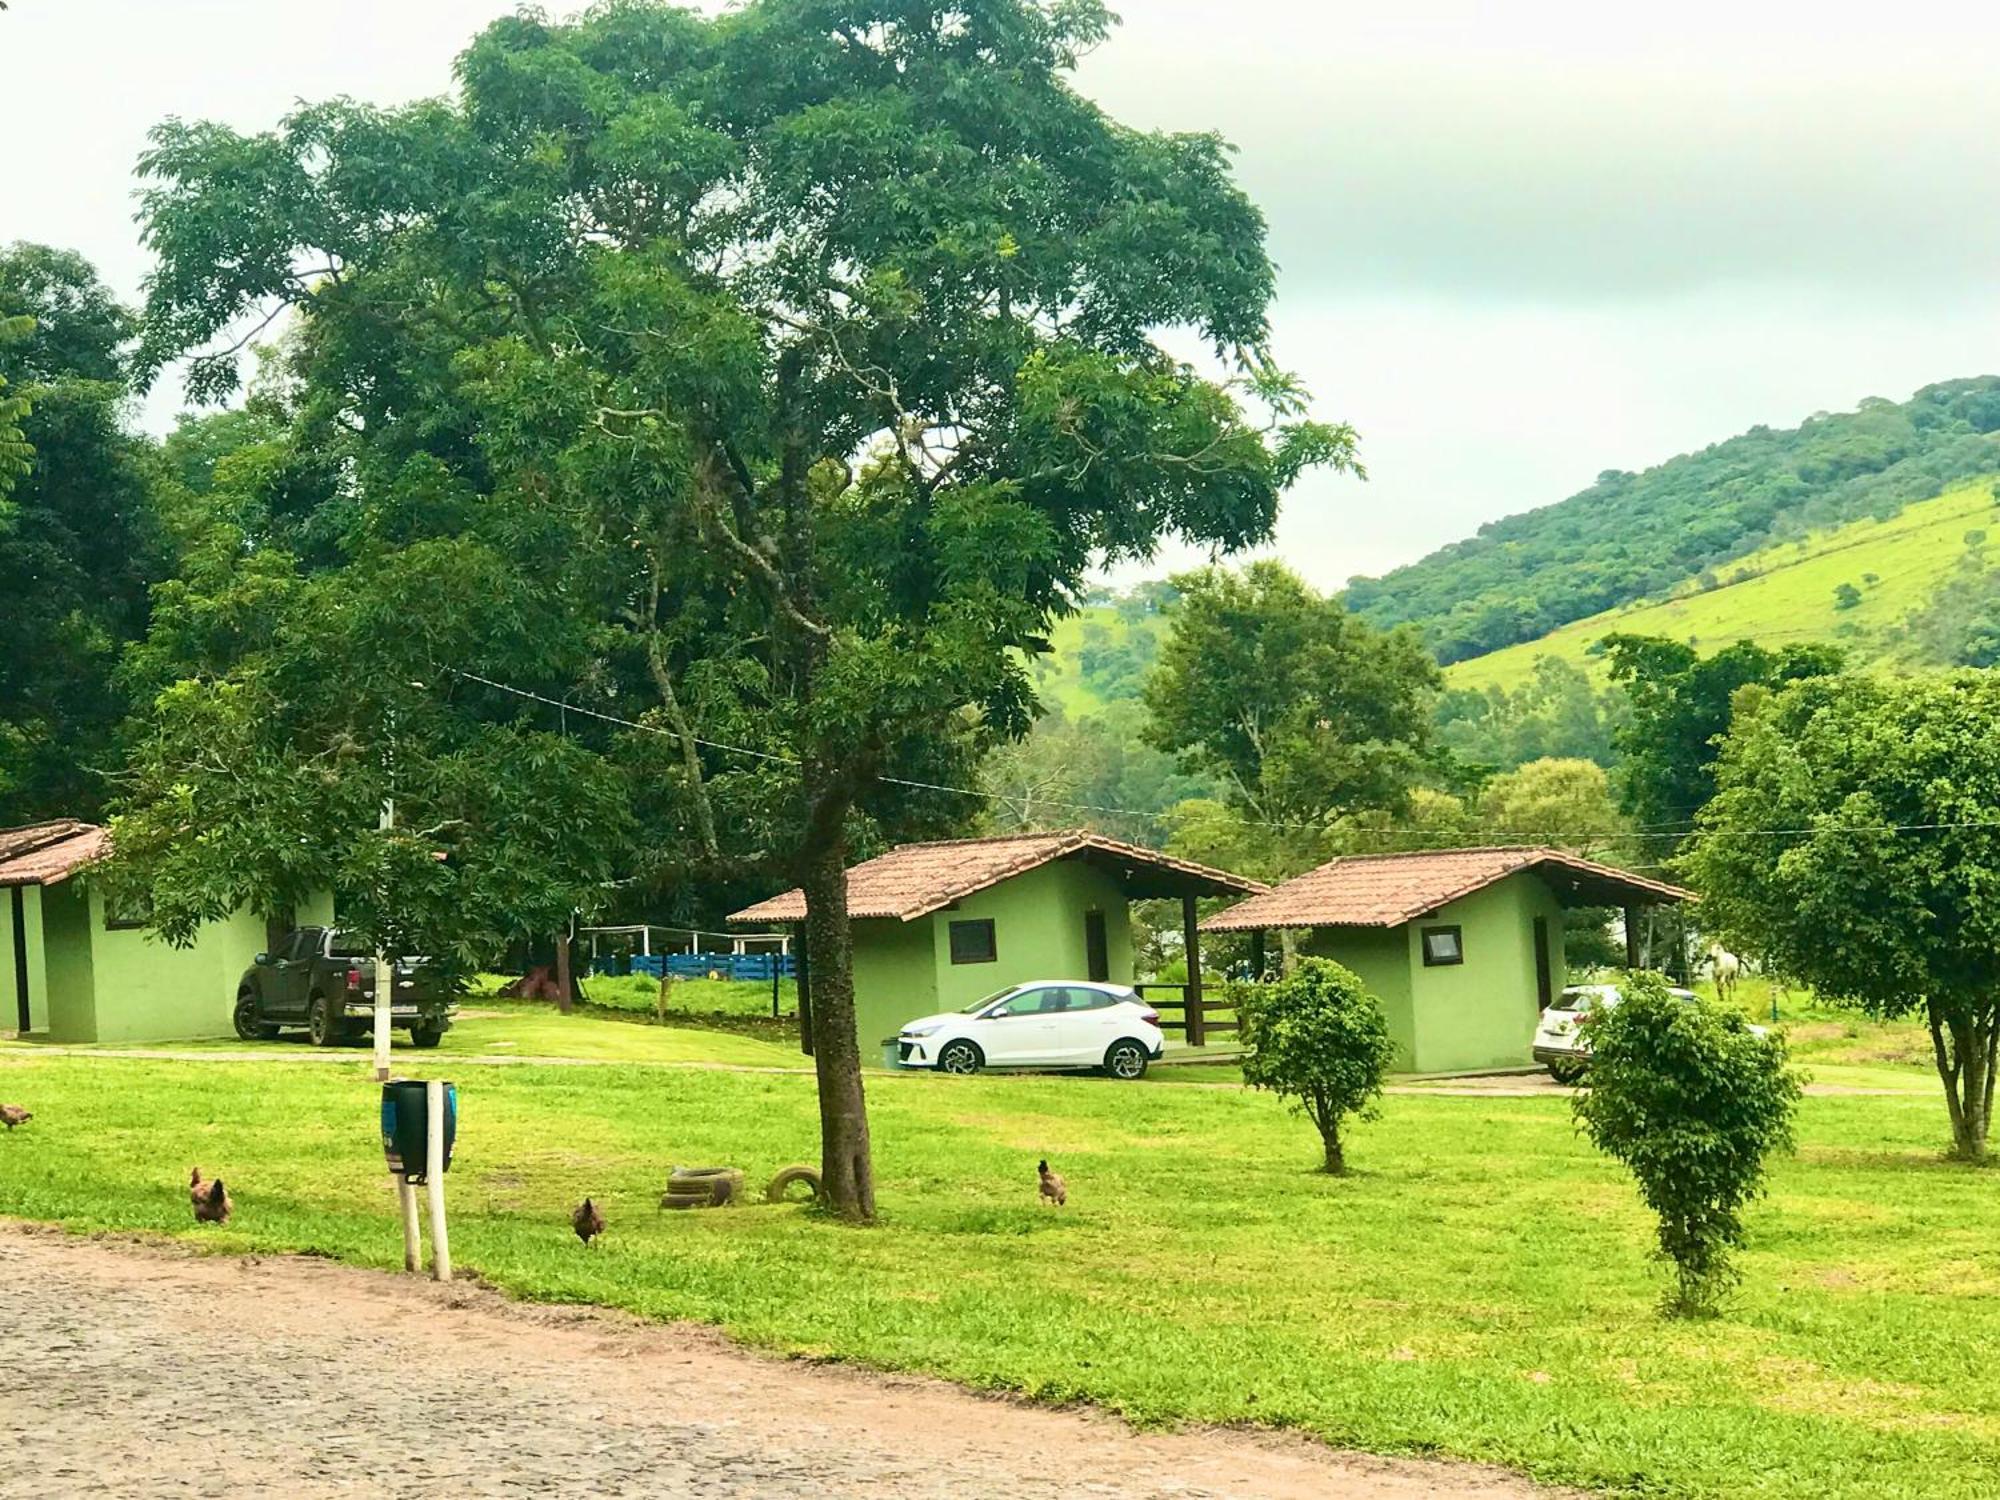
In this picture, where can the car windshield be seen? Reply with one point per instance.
(1577, 1000)
(978, 1005)
(343, 946)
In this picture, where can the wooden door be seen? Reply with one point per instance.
(1096, 947)
(1544, 969)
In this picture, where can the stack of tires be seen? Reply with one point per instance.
(702, 1187)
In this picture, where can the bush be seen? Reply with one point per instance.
(1692, 1100)
(1319, 1039)
(1846, 596)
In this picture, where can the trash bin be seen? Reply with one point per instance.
(406, 1126)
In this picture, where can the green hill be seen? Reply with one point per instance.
(1641, 536)
(1897, 568)
(1103, 651)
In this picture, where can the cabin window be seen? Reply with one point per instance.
(972, 942)
(1442, 945)
(127, 911)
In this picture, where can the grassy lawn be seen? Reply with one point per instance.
(640, 993)
(1479, 1288)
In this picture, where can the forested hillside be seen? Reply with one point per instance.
(1631, 536)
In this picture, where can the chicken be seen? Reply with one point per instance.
(1054, 1189)
(210, 1199)
(12, 1115)
(587, 1221)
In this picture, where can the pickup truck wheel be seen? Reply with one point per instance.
(322, 1022)
(426, 1036)
(248, 1027)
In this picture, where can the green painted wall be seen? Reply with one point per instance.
(1381, 957)
(66, 941)
(1482, 1013)
(895, 979)
(38, 977)
(1458, 1017)
(148, 991)
(903, 970)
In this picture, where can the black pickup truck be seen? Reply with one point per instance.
(320, 981)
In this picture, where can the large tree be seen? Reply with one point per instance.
(809, 352)
(79, 538)
(1305, 713)
(1854, 842)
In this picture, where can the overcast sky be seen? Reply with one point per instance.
(1519, 243)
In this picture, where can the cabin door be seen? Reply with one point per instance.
(1544, 967)
(1096, 947)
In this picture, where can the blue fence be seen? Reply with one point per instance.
(700, 965)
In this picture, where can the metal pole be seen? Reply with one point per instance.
(434, 1178)
(385, 979)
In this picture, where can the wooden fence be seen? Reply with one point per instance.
(1195, 1016)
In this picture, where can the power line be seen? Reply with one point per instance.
(1608, 836)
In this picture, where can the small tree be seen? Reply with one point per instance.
(1692, 1100)
(1319, 1039)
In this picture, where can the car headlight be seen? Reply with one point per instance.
(919, 1030)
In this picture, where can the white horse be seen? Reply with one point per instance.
(1726, 968)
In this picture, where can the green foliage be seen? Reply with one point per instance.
(1679, 708)
(1846, 596)
(1566, 804)
(1631, 536)
(1301, 711)
(1319, 1039)
(1091, 772)
(80, 539)
(1878, 892)
(1692, 1101)
(1556, 712)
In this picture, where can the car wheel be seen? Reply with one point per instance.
(322, 1022)
(426, 1036)
(248, 1027)
(1566, 1072)
(1126, 1059)
(960, 1057)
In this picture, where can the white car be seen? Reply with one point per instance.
(1560, 1041)
(1045, 1023)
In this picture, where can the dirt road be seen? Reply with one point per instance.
(127, 1370)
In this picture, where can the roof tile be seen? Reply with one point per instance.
(46, 853)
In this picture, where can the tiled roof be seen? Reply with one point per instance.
(1387, 890)
(916, 879)
(45, 853)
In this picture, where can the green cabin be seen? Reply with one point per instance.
(1463, 947)
(73, 969)
(938, 926)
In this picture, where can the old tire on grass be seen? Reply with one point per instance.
(248, 1027)
(961, 1057)
(1125, 1059)
(323, 1022)
(789, 1177)
(702, 1187)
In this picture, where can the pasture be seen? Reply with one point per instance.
(1479, 1287)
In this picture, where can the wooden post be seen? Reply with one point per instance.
(565, 997)
(805, 998)
(1631, 937)
(1258, 958)
(1197, 1035)
(777, 968)
(406, 1199)
(434, 1178)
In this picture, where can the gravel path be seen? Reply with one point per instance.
(132, 1370)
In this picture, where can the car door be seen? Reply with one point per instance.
(1019, 1030)
(292, 974)
(1079, 1027)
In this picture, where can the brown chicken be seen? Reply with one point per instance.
(12, 1115)
(1054, 1189)
(587, 1221)
(210, 1199)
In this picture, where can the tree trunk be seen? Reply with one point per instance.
(1963, 1047)
(565, 989)
(847, 1177)
(1336, 1162)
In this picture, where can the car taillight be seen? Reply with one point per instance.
(1150, 1017)
(354, 979)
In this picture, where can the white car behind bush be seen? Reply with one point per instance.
(1045, 1023)
(1561, 1043)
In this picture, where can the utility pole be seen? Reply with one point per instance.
(385, 976)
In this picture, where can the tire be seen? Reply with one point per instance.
(426, 1036)
(1566, 1072)
(702, 1187)
(248, 1027)
(961, 1057)
(1126, 1059)
(775, 1193)
(323, 1022)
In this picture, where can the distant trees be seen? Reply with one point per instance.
(1566, 804)
(1300, 710)
(1692, 1102)
(1555, 711)
(1875, 858)
(1846, 596)
(1319, 1039)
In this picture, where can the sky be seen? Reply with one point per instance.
(1519, 243)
